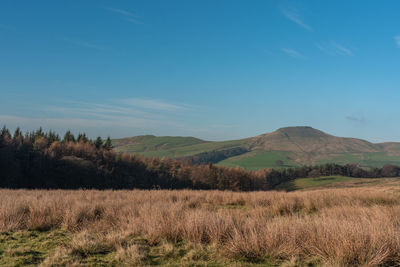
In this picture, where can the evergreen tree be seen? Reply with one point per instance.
(5, 132)
(52, 137)
(68, 137)
(39, 133)
(108, 144)
(99, 142)
(82, 138)
(17, 137)
(17, 133)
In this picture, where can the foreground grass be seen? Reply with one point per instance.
(64, 248)
(335, 227)
(22, 248)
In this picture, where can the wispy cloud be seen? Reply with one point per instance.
(129, 16)
(121, 11)
(340, 49)
(119, 118)
(114, 126)
(355, 119)
(334, 48)
(115, 117)
(153, 104)
(293, 53)
(101, 111)
(83, 43)
(140, 108)
(294, 15)
(397, 39)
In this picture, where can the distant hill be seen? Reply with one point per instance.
(285, 147)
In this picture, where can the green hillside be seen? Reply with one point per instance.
(145, 143)
(375, 159)
(258, 159)
(285, 147)
(173, 147)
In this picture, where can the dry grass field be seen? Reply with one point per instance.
(328, 227)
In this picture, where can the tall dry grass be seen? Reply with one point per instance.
(355, 226)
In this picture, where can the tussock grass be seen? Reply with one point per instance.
(335, 227)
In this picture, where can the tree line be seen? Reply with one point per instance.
(41, 159)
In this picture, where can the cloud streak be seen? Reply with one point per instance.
(84, 44)
(293, 53)
(153, 104)
(135, 115)
(294, 16)
(121, 11)
(129, 16)
(334, 48)
(145, 108)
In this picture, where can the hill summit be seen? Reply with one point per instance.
(309, 140)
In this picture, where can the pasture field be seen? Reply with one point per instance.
(255, 160)
(318, 182)
(180, 147)
(337, 181)
(375, 159)
(355, 225)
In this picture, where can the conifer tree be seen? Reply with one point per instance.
(68, 137)
(5, 133)
(108, 144)
(82, 138)
(99, 142)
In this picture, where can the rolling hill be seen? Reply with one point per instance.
(285, 147)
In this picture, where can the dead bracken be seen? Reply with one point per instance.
(351, 226)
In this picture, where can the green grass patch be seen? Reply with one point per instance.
(29, 248)
(306, 183)
(54, 248)
(256, 159)
(375, 159)
(179, 151)
(152, 143)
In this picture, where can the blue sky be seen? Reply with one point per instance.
(216, 70)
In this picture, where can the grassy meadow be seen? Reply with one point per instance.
(318, 182)
(170, 146)
(355, 222)
(255, 160)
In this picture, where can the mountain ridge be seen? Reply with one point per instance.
(296, 145)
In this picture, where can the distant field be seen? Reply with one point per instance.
(255, 160)
(375, 159)
(334, 182)
(328, 227)
(151, 143)
(178, 150)
(307, 183)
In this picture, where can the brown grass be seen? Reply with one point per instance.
(355, 226)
